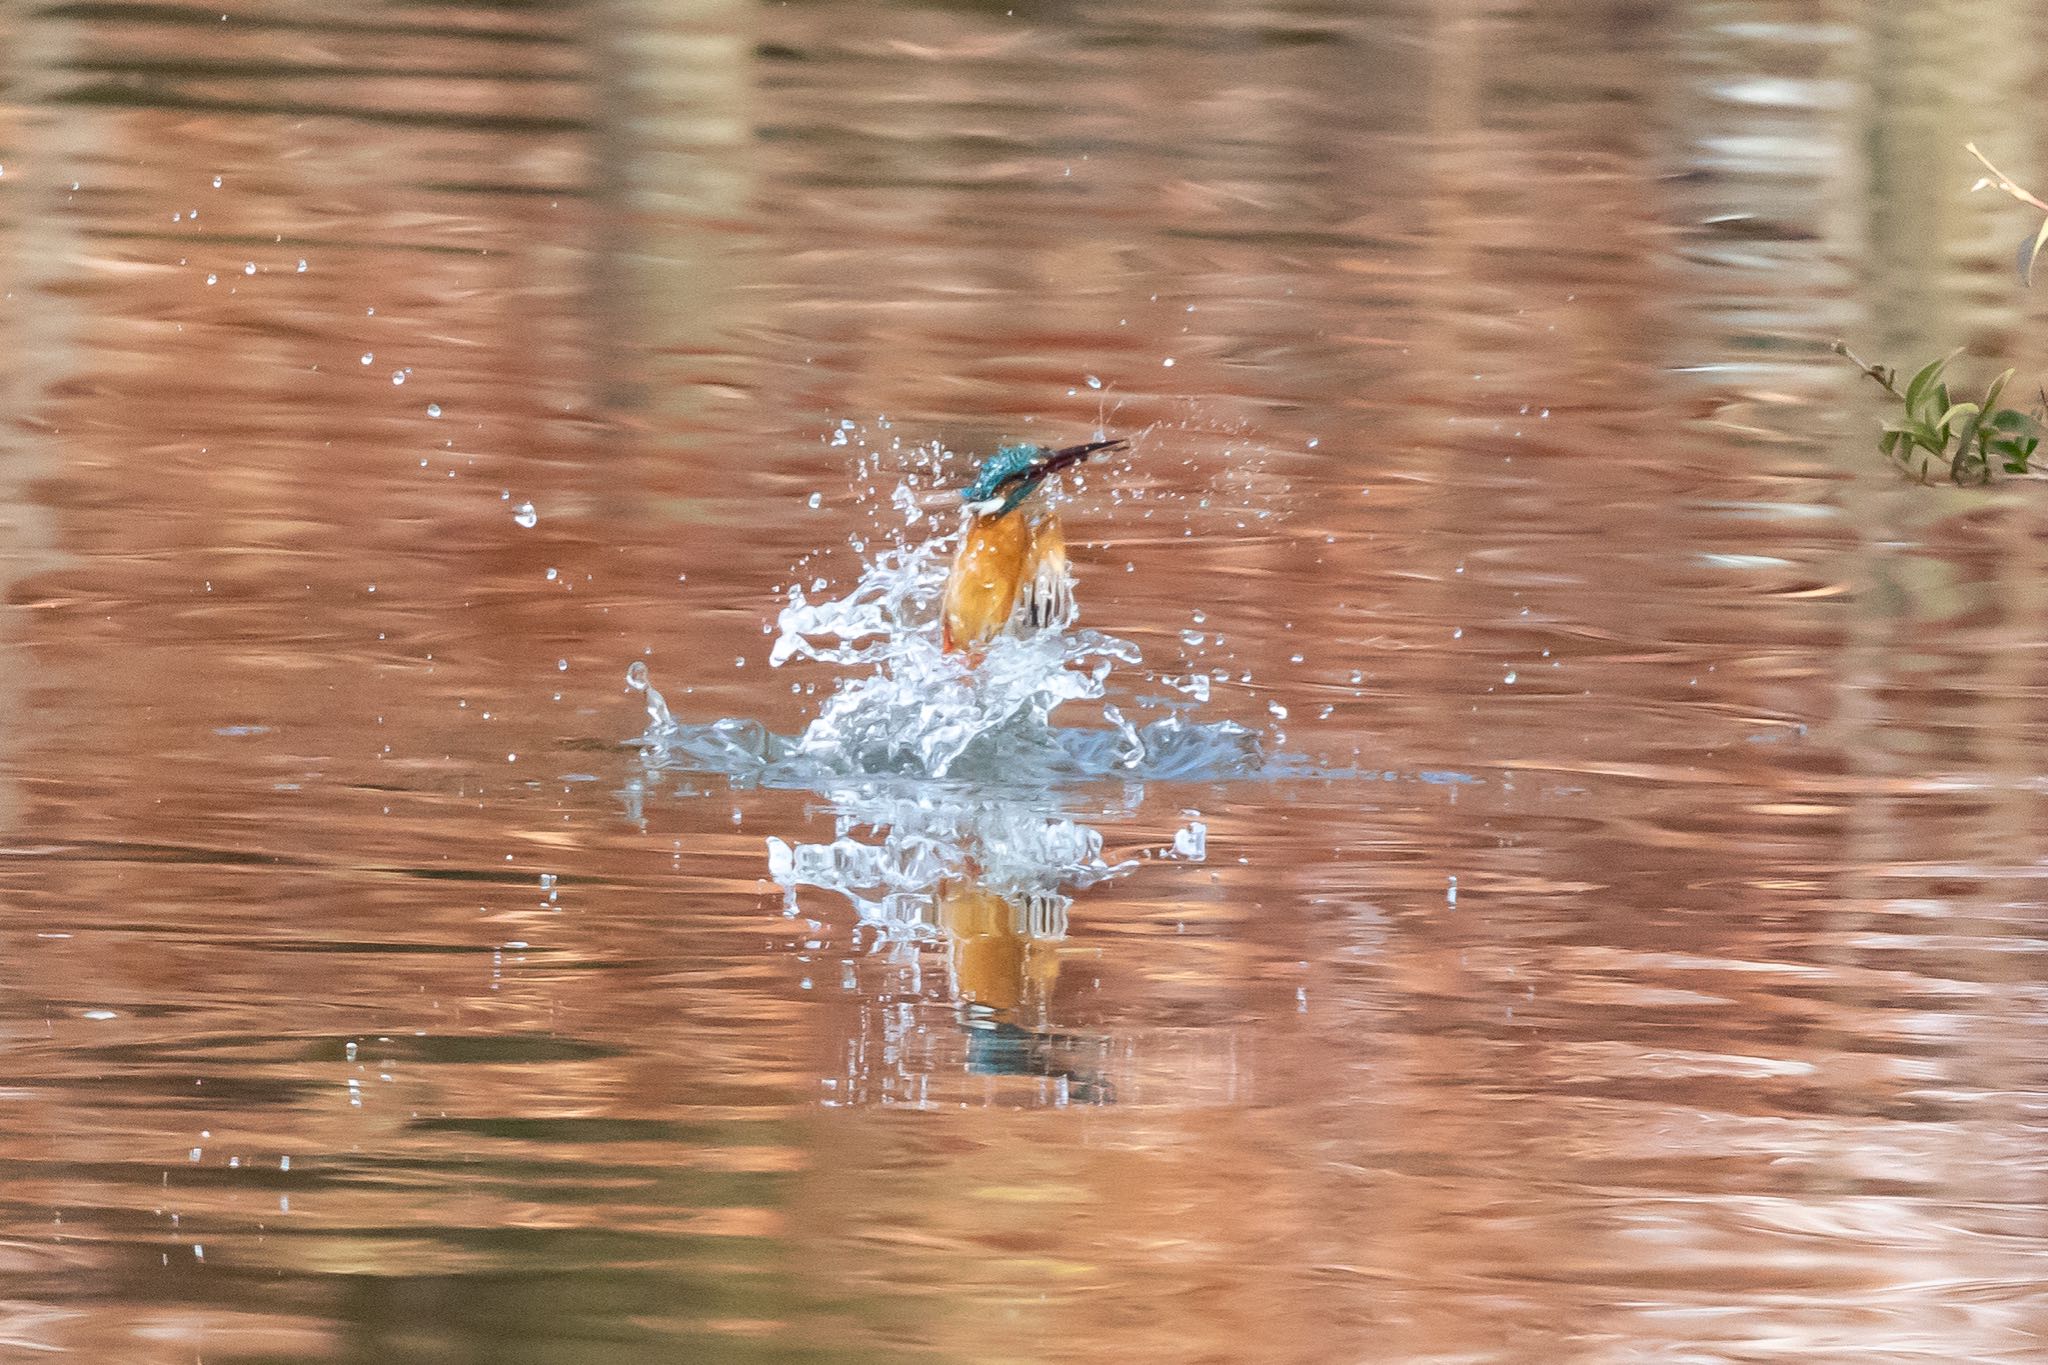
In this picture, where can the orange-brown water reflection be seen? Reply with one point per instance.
(1703, 1022)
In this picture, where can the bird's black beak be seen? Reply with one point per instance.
(1069, 456)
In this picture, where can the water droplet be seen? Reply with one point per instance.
(212, 278)
(658, 717)
(1279, 711)
(1093, 382)
(525, 515)
(302, 266)
(553, 574)
(368, 357)
(817, 500)
(433, 409)
(249, 268)
(1168, 362)
(216, 182)
(561, 665)
(1510, 676)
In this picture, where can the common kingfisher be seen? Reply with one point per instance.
(1013, 560)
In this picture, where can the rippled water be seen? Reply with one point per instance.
(1600, 917)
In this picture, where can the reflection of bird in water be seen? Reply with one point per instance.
(1012, 564)
(1004, 955)
(999, 955)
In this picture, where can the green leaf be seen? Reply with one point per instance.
(1997, 387)
(1925, 379)
(1967, 457)
(1949, 417)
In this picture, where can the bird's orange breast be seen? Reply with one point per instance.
(995, 555)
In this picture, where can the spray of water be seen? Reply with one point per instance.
(958, 774)
(910, 710)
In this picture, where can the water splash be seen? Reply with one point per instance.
(961, 797)
(1029, 856)
(960, 792)
(916, 711)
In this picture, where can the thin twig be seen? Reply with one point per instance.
(2001, 181)
(1886, 378)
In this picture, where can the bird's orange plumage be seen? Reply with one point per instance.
(1003, 557)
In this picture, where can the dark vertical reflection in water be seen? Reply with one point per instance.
(363, 1000)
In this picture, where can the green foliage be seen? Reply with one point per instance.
(1974, 439)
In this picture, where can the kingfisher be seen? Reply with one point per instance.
(1012, 564)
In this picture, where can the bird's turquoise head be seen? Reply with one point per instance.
(1013, 473)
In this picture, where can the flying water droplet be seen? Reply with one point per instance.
(658, 718)
(526, 516)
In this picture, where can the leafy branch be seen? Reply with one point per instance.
(1973, 439)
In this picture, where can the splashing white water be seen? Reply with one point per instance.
(917, 711)
(960, 779)
(1025, 853)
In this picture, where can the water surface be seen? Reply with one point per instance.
(1627, 947)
